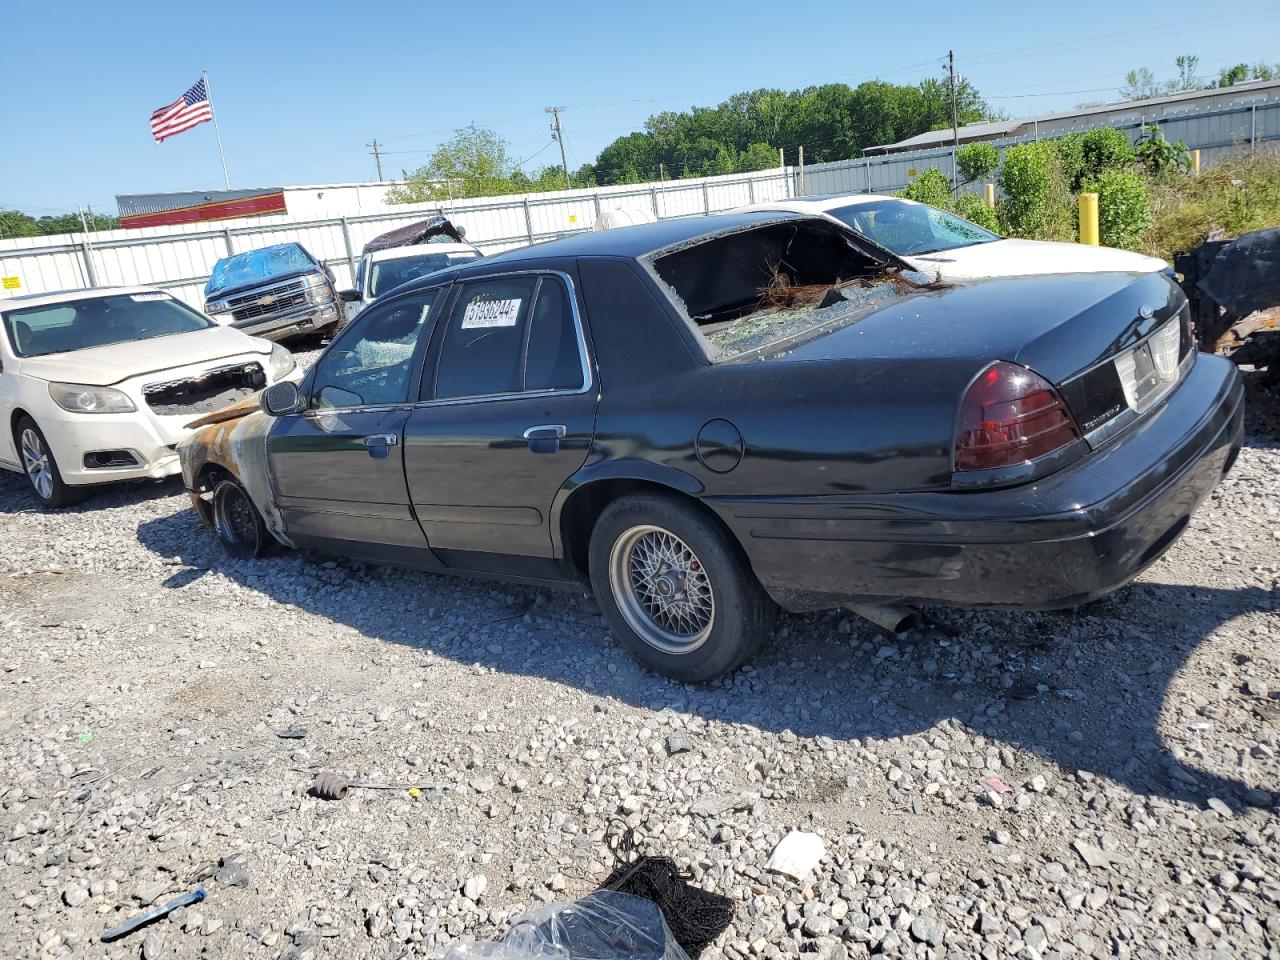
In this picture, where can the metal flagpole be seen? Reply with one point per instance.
(216, 132)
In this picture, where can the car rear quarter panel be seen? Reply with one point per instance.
(808, 428)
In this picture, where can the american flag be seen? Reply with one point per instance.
(191, 108)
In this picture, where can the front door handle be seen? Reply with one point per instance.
(546, 437)
(380, 444)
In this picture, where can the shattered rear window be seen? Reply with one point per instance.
(775, 327)
(755, 289)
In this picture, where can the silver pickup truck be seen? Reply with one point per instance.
(274, 292)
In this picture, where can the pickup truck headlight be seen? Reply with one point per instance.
(282, 363)
(217, 306)
(318, 290)
(78, 398)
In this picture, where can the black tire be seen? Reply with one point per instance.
(698, 612)
(237, 522)
(42, 469)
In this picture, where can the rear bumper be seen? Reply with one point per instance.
(1072, 537)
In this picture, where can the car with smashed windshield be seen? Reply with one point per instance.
(707, 419)
(276, 292)
(947, 247)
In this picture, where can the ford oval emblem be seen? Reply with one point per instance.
(1146, 312)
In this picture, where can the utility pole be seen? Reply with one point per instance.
(376, 149)
(955, 125)
(557, 134)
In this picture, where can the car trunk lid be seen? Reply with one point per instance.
(1106, 340)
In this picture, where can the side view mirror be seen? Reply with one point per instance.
(281, 399)
(349, 296)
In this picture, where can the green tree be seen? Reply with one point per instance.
(629, 159)
(1124, 208)
(1186, 79)
(831, 121)
(1158, 156)
(976, 161)
(15, 223)
(931, 187)
(974, 209)
(758, 156)
(473, 163)
(1037, 202)
(1140, 84)
(1243, 72)
(1085, 156)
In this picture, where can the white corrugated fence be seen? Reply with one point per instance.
(180, 258)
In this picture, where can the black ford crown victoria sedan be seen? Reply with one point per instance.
(705, 419)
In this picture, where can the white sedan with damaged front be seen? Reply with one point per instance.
(100, 385)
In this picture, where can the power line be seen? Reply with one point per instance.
(376, 149)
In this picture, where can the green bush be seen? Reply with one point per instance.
(976, 161)
(1037, 202)
(1124, 208)
(1238, 195)
(1158, 156)
(930, 187)
(1070, 151)
(1104, 149)
(974, 209)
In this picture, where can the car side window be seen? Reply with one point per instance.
(370, 363)
(553, 360)
(482, 350)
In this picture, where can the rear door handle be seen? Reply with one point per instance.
(380, 444)
(546, 437)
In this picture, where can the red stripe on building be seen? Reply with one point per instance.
(261, 205)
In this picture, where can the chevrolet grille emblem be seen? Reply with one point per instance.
(266, 301)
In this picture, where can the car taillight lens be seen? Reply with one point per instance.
(1010, 415)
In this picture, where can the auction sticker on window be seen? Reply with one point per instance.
(12, 283)
(491, 313)
(148, 297)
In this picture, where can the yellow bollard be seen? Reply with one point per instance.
(989, 194)
(1089, 218)
(1195, 162)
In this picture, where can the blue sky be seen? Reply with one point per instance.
(301, 88)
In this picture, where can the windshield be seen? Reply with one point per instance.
(906, 228)
(254, 266)
(389, 274)
(98, 322)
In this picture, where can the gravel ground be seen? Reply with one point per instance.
(147, 677)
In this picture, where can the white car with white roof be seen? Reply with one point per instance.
(940, 244)
(98, 385)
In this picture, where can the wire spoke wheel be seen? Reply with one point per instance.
(662, 589)
(35, 460)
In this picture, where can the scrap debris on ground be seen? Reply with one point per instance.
(1031, 785)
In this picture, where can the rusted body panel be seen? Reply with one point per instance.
(232, 441)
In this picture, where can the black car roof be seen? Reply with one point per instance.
(633, 242)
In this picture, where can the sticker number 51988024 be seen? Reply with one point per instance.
(491, 313)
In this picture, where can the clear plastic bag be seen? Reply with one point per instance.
(604, 925)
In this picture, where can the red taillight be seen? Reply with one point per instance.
(1009, 415)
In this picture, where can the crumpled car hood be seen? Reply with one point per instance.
(104, 366)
